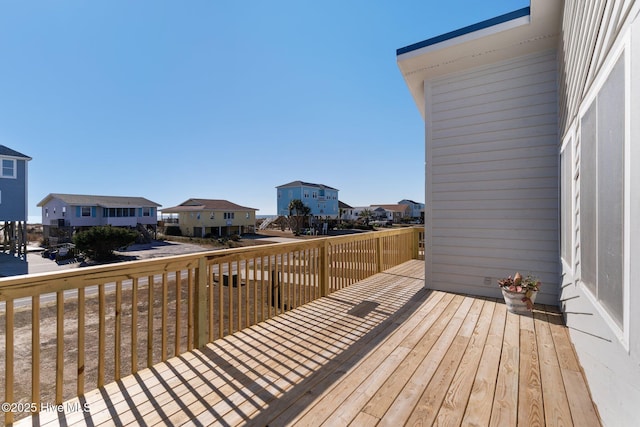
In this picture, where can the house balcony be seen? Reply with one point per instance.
(332, 331)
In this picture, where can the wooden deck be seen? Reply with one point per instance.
(384, 351)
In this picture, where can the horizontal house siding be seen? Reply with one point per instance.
(13, 200)
(492, 176)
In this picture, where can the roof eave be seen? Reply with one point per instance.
(504, 37)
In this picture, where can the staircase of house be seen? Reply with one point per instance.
(267, 222)
(145, 236)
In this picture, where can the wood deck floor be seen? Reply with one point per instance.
(385, 351)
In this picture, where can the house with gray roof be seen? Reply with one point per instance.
(78, 211)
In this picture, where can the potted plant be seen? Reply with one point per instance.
(519, 292)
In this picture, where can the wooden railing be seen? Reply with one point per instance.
(67, 331)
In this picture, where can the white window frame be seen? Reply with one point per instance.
(14, 168)
(82, 211)
(624, 48)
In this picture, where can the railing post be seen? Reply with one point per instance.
(324, 268)
(200, 305)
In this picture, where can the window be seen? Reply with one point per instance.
(602, 194)
(212, 216)
(248, 215)
(86, 211)
(229, 215)
(64, 210)
(146, 211)
(8, 168)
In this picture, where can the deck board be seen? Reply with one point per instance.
(384, 351)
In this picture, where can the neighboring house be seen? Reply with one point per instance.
(208, 217)
(321, 199)
(77, 212)
(505, 102)
(394, 213)
(416, 209)
(345, 211)
(13, 199)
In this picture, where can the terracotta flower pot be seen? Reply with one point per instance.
(515, 303)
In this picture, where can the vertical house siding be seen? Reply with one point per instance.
(589, 30)
(492, 176)
(596, 34)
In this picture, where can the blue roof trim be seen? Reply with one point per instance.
(526, 11)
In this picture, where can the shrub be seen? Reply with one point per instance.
(98, 243)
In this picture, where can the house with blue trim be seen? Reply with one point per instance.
(532, 123)
(320, 198)
(13, 199)
(78, 212)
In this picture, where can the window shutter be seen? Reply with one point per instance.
(78, 211)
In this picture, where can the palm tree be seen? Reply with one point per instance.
(298, 211)
(366, 214)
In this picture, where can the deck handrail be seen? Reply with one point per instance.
(215, 293)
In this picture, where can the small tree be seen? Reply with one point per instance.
(366, 214)
(298, 211)
(98, 243)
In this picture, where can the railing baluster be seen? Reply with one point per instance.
(165, 315)
(238, 283)
(150, 279)
(190, 318)
(59, 345)
(102, 335)
(117, 349)
(8, 361)
(247, 306)
(270, 287)
(35, 350)
(178, 315)
(81, 341)
(210, 314)
(134, 325)
(220, 301)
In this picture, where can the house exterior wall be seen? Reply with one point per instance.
(601, 45)
(324, 204)
(491, 176)
(56, 209)
(13, 193)
(198, 224)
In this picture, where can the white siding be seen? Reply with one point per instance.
(595, 34)
(492, 176)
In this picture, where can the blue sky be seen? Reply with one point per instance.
(218, 99)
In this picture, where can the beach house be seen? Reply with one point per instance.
(78, 211)
(320, 198)
(531, 122)
(211, 217)
(13, 199)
